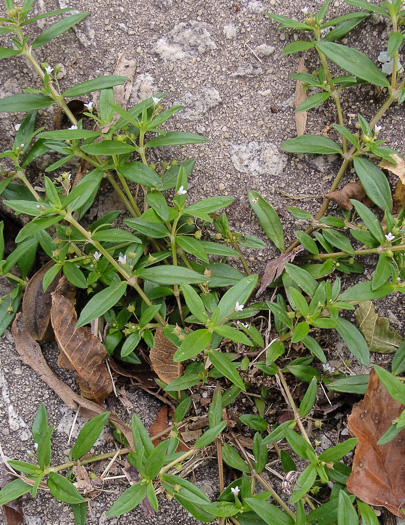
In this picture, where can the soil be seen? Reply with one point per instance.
(222, 60)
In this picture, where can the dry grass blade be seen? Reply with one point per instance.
(36, 305)
(275, 268)
(161, 356)
(300, 97)
(378, 475)
(31, 355)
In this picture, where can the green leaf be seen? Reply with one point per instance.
(309, 399)
(40, 425)
(394, 43)
(63, 490)
(346, 133)
(209, 435)
(301, 277)
(183, 382)
(304, 482)
(369, 219)
(289, 22)
(141, 437)
(337, 239)
(79, 512)
(347, 514)
(268, 218)
(175, 138)
(171, 275)
(140, 174)
(192, 246)
(156, 460)
(130, 344)
(296, 47)
(74, 275)
(364, 292)
(27, 468)
(298, 301)
(233, 459)
(215, 409)
(238, 293)
(57, 29)
(374, 182)
(194, 302)
(353, 61)
(369, 7)
(232, 334)
(398, 363)
(204, 207)
(338, 451)
(311, 144)
(44, 448)
(224, 366)
(35, 226)
(14, 490)
(108, 147)
(157, 201)
(314, 347)
(256, 422)
(151, 229)
(193, 344)
(47, 15)
(26, 102)
(367, 513)
(89, 435)
(6, 52)
(392, 384)
(307, 242)
(300, 332)
(354, 340)
(182, 409)
(96, 84)
(269, 513)
(115, 235)
(342, 29)
(101, 303)
(275, 350)
(313, 101)
(352, 384)
(130, 499)
(299, 445)
(298, 213)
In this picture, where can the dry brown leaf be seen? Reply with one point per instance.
(300, 97)
(353, 190)
(398, 169)
(144, 376)
(161, 356)
(275, 268)
(399, 196)
(378, 475)
(81, 351)
(126, 67)
(36, 305)
(160, 424)
(31, 355)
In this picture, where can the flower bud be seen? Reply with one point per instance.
(189, 221)
(174, 162)
(165, 165)
(152, 166)
(389, 253)
(131, 308)
(198, 235)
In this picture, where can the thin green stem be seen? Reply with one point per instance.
(121, 195)
(178, 460)
(93, 459)
(367, 251)
(21, 176)
(129, 194)
(13, 277)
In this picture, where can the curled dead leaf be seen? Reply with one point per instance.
(378, 475)
(378, 333)
(300, 97)
(161, 356)
(352, 190)
(81, 352)
(398, 168)
(36, 305)
(275, 268)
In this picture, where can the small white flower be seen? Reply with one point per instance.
(235, 490)
(97, 255)
(133, 327)
(377, 129)
(122, 260)
(17, 127)
(89, 106)
(239, 307)
(181, 191)
(38, 206)
(305, 10)
(68, 176)
(49, 69)
(156, 100)
(328, 368)
(22, 145)
(73, 127)
(390, 237)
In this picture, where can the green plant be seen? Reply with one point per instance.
(161, 274)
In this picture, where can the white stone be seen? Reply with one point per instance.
(258, 158)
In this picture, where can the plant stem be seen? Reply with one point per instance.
(178, 460)
(13, 277)
(93, 459)
(293, 406)
(367, 251)
(129, 194)
(21, 175)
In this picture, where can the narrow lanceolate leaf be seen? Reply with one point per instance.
(347, 514)
(268, 218)
(223, 365)
(193, 344)
(394, 43)
(63, 490)
(14, 490)
(26, 102)
(108, 147)
(369, 219)
(269, 513)
(313, 101)
(194, 302)
(6, 52)
(128, 500)
(95, 84)
(89, 435)
(171, 275)
(374, 182)
(101, 303)
(58, 28)
(311, 144)
(296, 47)
(175, 138)
(354, 340)
(209, 436)
(309, 399)
(354, 62)
(392, 384)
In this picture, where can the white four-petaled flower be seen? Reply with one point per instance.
(97, 255)
(239, 307)
(305, 10)
(377, 129)
(181, 191)
(235, 490)
(89, 106)
(73, 127)
(390, 237)
(156, 100)
(122, 260)
(49, 69)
